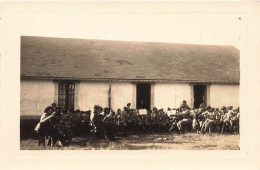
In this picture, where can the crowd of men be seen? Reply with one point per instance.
(62, 125)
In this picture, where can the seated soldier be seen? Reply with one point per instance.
(184, 104)
(234, 122)
(226, 119)
(186, 119)
(210, 121)
(127, 108)
(202, 106)
(205, 115)
(195, 120)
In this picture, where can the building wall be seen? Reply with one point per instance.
(224, 95)
(123, 93)
(165, 94)
(91, 93)
(35, 96)
(96, 93)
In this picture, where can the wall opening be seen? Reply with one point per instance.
(66, 95)
(200, 95)
(143, 96)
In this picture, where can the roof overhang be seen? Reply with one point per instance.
(127, 80)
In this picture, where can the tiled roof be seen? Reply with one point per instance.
(80, 59)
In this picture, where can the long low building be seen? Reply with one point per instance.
(80, 73)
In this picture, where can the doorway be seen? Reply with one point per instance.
(200, 94)
(143, 96)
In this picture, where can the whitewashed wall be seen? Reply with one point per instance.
(224, 95)
(165, 94)
(35, 96)
(91, 93)
(122, 93)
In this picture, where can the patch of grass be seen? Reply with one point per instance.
(189, 141)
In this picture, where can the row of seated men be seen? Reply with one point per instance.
(106, 122)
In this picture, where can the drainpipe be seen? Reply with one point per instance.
(109, 95)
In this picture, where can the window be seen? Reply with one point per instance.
(66, 95)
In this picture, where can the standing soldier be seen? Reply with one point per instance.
(147, 122)
(46, 128)
(97, 119)
(122, 121)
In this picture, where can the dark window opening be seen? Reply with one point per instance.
(66, 95)
(143, 96)
(200, 95)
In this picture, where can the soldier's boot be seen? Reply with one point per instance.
(41, 140)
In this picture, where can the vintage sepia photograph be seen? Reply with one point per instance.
(129, 80)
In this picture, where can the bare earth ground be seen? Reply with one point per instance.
(187, 141)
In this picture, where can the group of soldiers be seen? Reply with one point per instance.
(63, 124)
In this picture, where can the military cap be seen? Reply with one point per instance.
(208, 107)
(100, 108)
(96, 107)
(230, 107)
(88, 112)
(223, 108)
(154, 108)
(160, 110)
(202, 105)
(47, 109)
(106, 110)
(128, 104)
(184, 101)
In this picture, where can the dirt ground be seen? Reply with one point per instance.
(189, 141)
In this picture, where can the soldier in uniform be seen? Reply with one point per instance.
(226, 119)
(147, 122)
(186, 120)
(98, 121)
(128, 107)
(75, 120)
(235, 121)
(154, 120)
(54, 106)
(109, 124)
(46, 128)
(135, 121)
(122, 124)
(210, 121)
(184, 104)
(129, 120)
